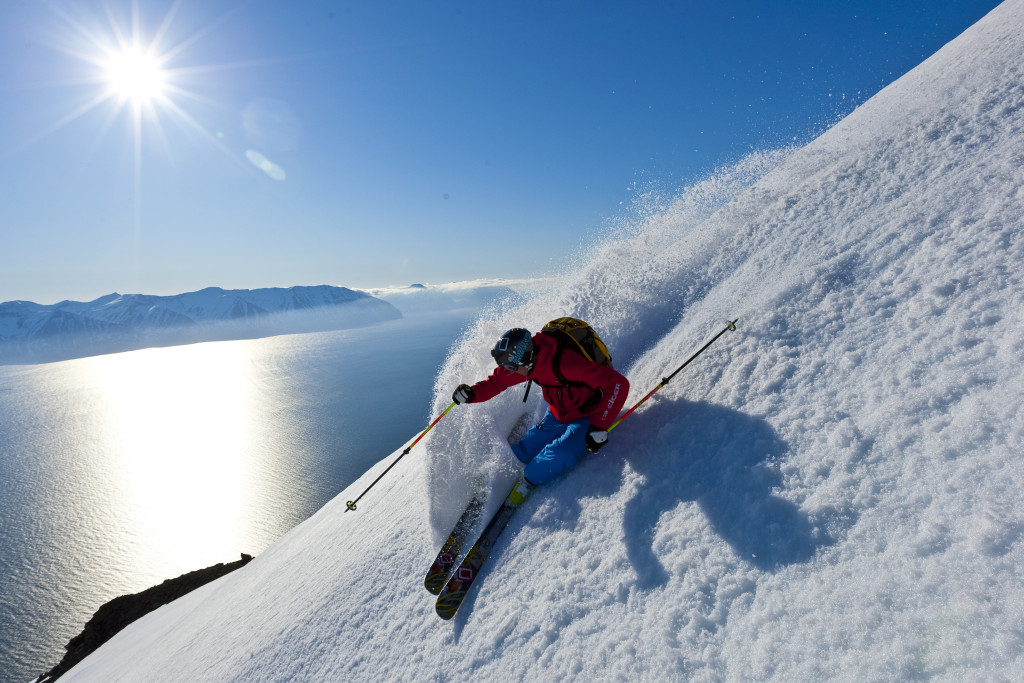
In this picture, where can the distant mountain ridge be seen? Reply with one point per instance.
(425, 298)
(31, 332)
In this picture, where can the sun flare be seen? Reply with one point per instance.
(136, 76)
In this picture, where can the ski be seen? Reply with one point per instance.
(450, 599)
(439, 571)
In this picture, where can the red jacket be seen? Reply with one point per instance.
(595, 391)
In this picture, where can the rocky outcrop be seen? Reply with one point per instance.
(122, 611)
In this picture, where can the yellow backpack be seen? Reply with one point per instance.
(576, 335)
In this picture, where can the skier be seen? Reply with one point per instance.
(584, 398)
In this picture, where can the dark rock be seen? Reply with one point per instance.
(123, 610)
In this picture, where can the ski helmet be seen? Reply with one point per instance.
(515, 348)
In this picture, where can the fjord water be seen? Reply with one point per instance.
(123, 470)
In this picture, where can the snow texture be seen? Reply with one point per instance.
(832, 492)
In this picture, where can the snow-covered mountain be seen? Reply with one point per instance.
(832, 492)
(31, 332)
(420, 298)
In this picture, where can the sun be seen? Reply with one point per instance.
(135, 76)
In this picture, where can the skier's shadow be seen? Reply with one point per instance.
(716, 457)
(720, 459)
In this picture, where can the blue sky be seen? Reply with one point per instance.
(370, 144)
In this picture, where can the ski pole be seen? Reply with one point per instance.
(666, 380)
(351, 505)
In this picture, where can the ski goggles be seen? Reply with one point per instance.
(513, 367)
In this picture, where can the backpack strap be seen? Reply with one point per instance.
(556, 367)
(561, 339)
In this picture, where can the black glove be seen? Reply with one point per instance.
(463, 394)
(596, 439)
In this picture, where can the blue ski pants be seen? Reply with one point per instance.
(552, 447)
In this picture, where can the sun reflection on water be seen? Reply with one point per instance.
(121, 471)
(180, 420)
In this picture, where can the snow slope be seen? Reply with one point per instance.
(831, 492)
